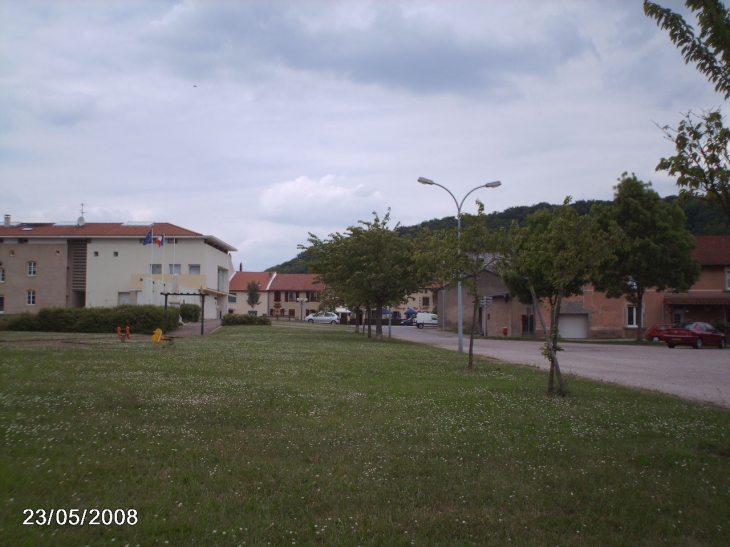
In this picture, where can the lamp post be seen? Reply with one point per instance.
(301, 301)
(429, 182)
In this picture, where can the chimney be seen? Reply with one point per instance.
(240, 266)
(7, 221)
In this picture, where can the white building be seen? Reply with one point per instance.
(106, 264)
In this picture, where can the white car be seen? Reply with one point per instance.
(323, 317)
(427, 320)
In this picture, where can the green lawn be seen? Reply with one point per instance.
(311, 435)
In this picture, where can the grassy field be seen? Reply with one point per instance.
(311, 435)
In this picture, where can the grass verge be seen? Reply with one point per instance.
(299, 435)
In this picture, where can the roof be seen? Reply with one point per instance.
(240, 280)
(708, 299)
(295, 282)
(28, 230)
(712, 250)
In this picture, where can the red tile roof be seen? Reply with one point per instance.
(240, 280)
(93, 229)
(712, 250)
(295, 282)
(698, 299)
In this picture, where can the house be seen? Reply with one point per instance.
(593, 315)
(80, 264)
(291, 295)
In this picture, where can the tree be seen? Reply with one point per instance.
(370, 265)
(710, 51)
(551, 258)
(657, 247)
(253, 290)
(702, 163)
(464, 258)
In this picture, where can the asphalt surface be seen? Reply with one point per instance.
(699, 375)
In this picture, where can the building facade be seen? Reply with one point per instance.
(107, 264)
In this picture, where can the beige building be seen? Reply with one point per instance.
(106, 264)
(293, 296)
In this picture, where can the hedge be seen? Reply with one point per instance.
(247, 319)
(140, 319)
(190, 313)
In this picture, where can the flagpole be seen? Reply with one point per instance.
(152, 258)
(164, 289)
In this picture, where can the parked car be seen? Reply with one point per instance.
(694, 334)
(407, 322)
(323, 317)
(427, 320)
(656, 333)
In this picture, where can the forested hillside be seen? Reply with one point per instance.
(701, 220)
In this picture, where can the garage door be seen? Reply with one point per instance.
(573, 325)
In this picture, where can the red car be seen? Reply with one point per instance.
(656, 333)
(694, 334)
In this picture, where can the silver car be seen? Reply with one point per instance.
(323, 317)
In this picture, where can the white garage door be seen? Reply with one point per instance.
(573, 325)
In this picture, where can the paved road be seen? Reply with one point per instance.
(701, 375)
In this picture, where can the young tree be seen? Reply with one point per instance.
(253, 290)
(551, 258)
(701, 163)
(464, 257)
(369, 265)
(657, 249)
(711, 49)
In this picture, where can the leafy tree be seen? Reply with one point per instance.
(253, 290)
(657, 246)
(370, 265)
(549, 259)
(464, 258)
(710, 51)
(702, 163)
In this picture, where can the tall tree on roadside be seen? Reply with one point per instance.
(369, 264)
(702, 165)
(549, 259)
(657, 249)
(253, 291)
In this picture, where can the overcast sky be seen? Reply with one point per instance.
(259, 122)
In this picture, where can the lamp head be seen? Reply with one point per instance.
(493, 184)
(424, 180)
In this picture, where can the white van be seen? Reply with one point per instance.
(427, 320)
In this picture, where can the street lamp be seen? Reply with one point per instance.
(301, 301)
(429, 182)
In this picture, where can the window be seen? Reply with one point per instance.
(30, 297)
(231, 299)
(727, 280)
(254, 313)
(292, 296)
(292, 313)
(425, 301)
(96, 253)
(175, 269)
(194, 269)
(314, 297)
(277, 296)
(155, 268)
(116, 253)
(31, 268)
(632, 319)
(2, 275)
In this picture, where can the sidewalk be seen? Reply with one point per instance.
(193, 329)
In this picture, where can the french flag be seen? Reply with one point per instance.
(160, 240)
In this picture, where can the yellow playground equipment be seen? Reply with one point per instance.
(158, 337)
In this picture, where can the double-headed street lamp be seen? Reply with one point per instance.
(429, 182)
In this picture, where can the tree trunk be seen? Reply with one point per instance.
(553, 356)
(639, 316)
(378, 321)
(357, 320)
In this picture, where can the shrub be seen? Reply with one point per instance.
(241, 319)
(140, 319)
(190, 313)
(722, 326)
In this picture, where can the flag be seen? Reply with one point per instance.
(148, 239)
(160, 240)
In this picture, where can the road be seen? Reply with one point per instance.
(699, 375)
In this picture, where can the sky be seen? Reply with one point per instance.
(262, 122)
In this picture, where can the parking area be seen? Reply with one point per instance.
(700, 375)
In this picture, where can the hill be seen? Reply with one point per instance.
(702, 219)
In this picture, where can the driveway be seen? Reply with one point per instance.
(700, 375)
